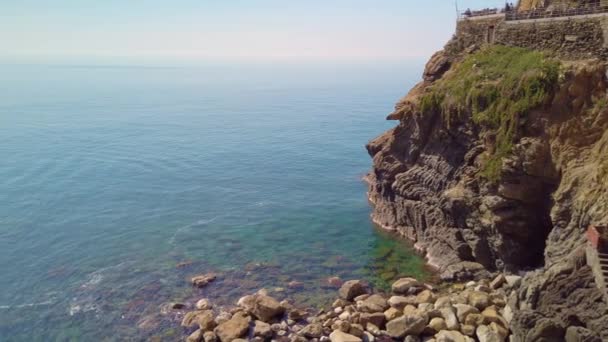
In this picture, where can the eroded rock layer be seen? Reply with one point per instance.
(432, 182)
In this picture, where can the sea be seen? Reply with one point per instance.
(119, 182)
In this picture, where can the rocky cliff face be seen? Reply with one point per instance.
(496, 164)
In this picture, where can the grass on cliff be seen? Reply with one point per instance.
(497, 86)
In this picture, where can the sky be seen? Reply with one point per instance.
(227, 29)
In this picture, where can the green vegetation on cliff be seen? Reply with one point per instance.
(497, 86)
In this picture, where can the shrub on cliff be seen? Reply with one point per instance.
(497, 86)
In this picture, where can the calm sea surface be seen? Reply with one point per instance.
(112, 176)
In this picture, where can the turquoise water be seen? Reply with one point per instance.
(111, 176)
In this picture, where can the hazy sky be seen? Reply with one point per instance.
(233, 29)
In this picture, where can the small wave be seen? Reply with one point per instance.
(183, 229)
(26, 305)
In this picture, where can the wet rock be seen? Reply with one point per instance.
(203, 280)
(178, 306)
(405, 325)
(352, 289)
(405, 285)
(295, 284)
(340, 336)
(236, 327)
(334, 282)
(204, 304)
(374, 303)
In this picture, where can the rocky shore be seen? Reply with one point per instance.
(412, 311)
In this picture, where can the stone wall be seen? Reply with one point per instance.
(570, 38)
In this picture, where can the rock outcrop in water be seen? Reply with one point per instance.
(499, 162)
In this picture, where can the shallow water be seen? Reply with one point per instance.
(112, 176)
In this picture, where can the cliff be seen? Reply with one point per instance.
(499, 162)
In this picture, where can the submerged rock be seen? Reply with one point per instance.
(203, 280)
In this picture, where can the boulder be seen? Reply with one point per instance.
(392, 313)
(399, 302)
(196, 336)
(356, 330)
(374, 303)
(475, 319)
(236, 327)
(265, 308)
(377, 318)
(436, 325)
(491, 315)
(467, 330)
(352, 289)
(479, 299)
(443, 301)
(463, 310)
(340, 336)
(209, 336)
(450, 336)
(262, 329)
(450, 318)
(485, 334)
(406, 325)
(203, 318)
(405, 285)
(426, 296)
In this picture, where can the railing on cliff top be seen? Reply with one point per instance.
(512, 15)
(555, 13)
